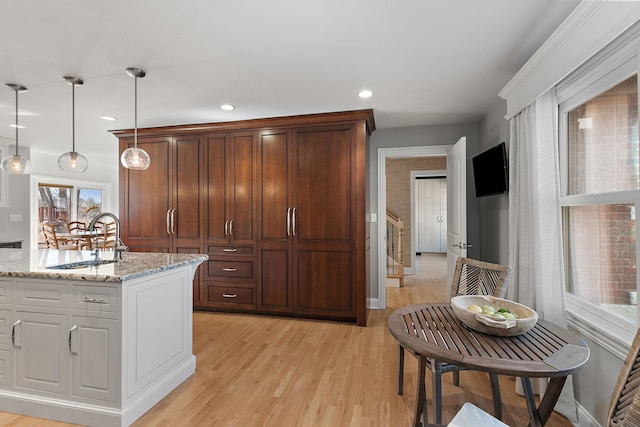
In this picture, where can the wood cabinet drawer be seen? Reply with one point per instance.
(229, 295)
(214, 250)
(229, 269)
(101, 298)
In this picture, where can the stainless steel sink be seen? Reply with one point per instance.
(83, 264)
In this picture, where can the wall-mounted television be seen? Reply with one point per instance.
(491, 172)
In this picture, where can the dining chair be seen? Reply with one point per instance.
(52, 240)
(76, 226)
(624, 409)
(106, 240)
(632, 418)
(470, 277)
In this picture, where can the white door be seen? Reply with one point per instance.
(456, 204)
(430, 212)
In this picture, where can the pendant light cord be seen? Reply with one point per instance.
(73, 117)
(135, 112)
(16, 122)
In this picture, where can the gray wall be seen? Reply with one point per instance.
(494, 210)
(419, 136)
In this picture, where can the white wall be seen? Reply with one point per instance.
(18, 198)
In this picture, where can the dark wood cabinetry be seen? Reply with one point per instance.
(230, 186)
(161, 207)
(278, 204)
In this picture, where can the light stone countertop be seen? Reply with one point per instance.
(34, 264)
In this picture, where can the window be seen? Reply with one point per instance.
(59, 201)
(600, 169)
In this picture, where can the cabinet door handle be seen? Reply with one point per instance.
(293, 221)
(231, 227)
(229, 295)
(73, 349)
(173, 214)
(15, 342)
(229, 250)
(229, 269)
(289, 222)
(96, 300)
(168, 222)
(226, 228)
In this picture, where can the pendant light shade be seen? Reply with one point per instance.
(134, 157)
(73, 161)
(16, 164)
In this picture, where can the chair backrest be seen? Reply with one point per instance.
(49, 232)
(76, 226)
(107, 239)
(632, 418)
(623, 400)
(473, 277)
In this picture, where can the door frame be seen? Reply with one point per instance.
(383, 155)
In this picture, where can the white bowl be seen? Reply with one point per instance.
(526, 317)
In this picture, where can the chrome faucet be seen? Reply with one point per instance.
(118, 246)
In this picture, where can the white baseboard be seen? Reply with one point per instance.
(585, 419)
(60, 409)
(373, 303)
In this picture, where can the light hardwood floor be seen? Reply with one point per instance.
(281, 372)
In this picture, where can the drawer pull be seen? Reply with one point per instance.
(229, 269)
(96, 300)
(72, 349)
(229, 295)
(229, 250)
(13, 334)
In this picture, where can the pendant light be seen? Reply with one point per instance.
(16, 164)
(73, 161)
(134, 157)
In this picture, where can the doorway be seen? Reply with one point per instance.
(383, 155)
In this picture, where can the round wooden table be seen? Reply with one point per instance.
(434, 332)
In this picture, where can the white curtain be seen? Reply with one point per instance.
(535, 247)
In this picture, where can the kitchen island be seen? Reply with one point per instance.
(93, 344)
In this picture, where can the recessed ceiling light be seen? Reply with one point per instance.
(365, 94)
(17, 126)
(109, 118)
(227, 107)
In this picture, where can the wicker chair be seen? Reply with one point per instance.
(624, 409)
(470, 277)
(632, 418)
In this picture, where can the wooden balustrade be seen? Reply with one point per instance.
(395, 255)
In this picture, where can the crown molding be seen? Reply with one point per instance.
(590, 27)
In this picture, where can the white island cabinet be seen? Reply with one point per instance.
(97, 345)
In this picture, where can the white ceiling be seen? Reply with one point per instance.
(427, 61)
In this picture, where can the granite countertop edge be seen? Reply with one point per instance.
(134, 265)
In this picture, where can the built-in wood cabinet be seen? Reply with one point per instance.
(275, 293)
(230, 187)
(161, 208)
(282, 210)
